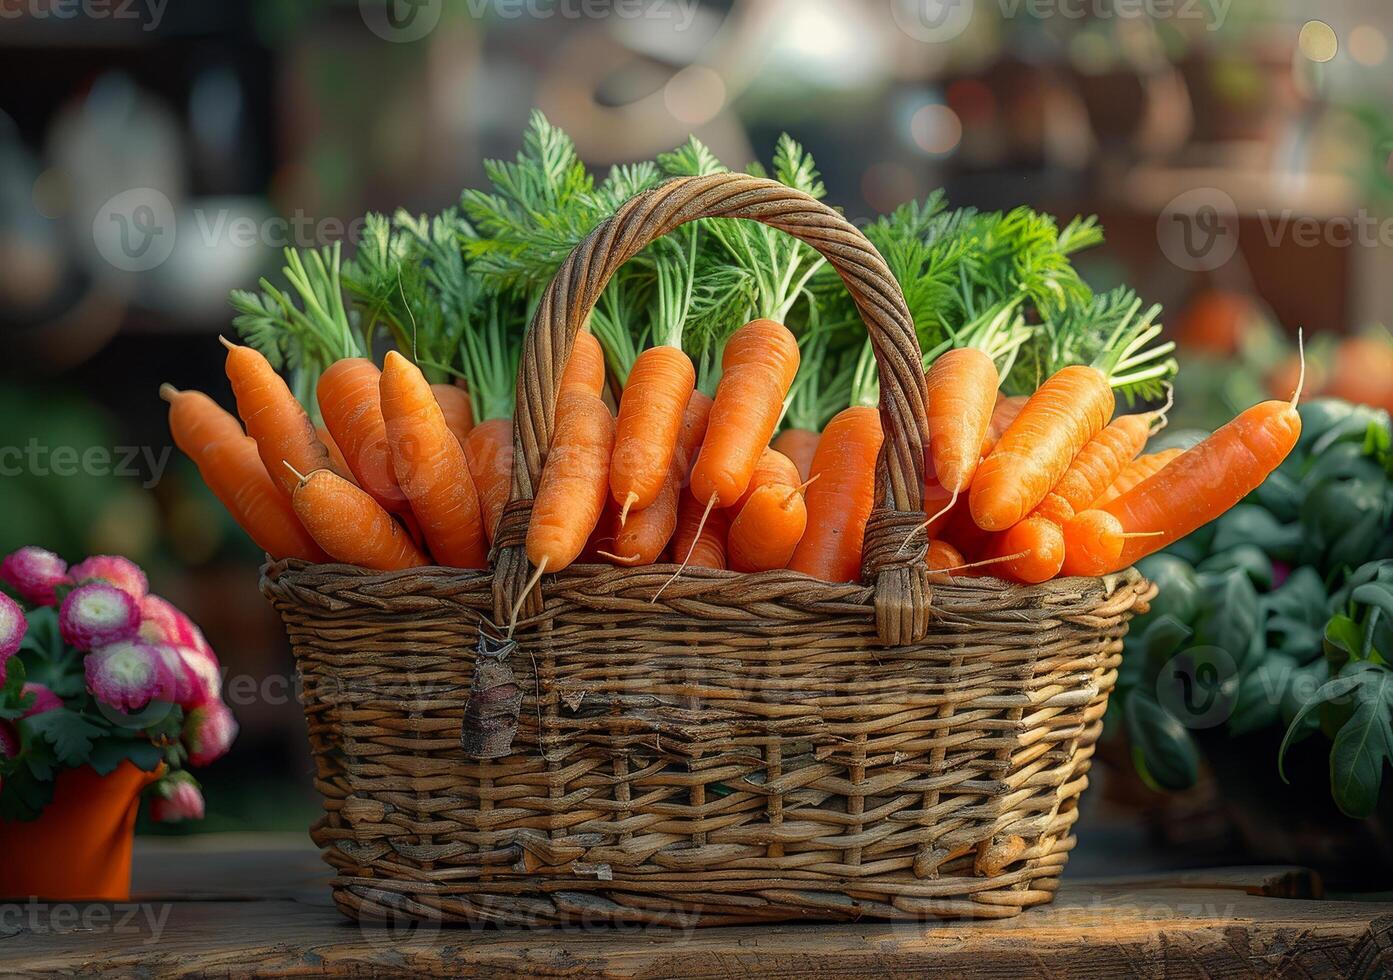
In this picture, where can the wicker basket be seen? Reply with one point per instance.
(746, 748)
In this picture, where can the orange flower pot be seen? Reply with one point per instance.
(79, 848)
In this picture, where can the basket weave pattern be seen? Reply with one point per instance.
(780, 765)
(738, 748)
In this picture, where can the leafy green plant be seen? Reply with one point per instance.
(1284, 608)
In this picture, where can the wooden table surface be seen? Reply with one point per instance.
(235, 905)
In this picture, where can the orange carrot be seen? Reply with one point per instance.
(430, 467)
(962, 387)
(278, 423)
(759, 365)
(348, 395)
(1005, 412)
(233, 470)
(698, 544)
(196, 421)
(660, 385)
(585, 369)
(1093, 543)
(647, 532)
(575, 480)
(350, 525)
(773, 467)
(1103, 459)
(339, 464)
(1204, 482)
(942, 558)
(1036, 547)
(1142, 468)
(455, 405)
(799, 445)
(840, 502)
(767, 529)
(488, 450)
(1061, 417)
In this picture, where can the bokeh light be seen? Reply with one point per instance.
(1318, 41)
(936, 129)
(1368, 45)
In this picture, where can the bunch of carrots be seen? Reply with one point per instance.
(719, 408)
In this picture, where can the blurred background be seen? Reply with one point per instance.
(154, 155)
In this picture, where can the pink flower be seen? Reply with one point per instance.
(13, 626)
(35, 573)
(189, 690)
(161, 622)
(123, 573)
(9, 740)
(176, 798)
(44, 699)
(206, 670)
(97, 614)
(128, 675)
(208, 732)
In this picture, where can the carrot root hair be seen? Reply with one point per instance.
(978, 564)
(1161, 417)
(522, 597)
(1301, 377)
(298, 475)
(926, 525)
(626, 560)
(691, 549)
(629, 501)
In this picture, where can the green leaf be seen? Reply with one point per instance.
(1165, 754)
(1228, 616)
(24, 795)
(1359, 751)
(1161, 640)
(1336, 691)
(1249, 524)
(1260, 695)
(67, 731)
(108, 753)
(1246, 559)
(1178, 585)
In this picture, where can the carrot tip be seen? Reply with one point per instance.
(226, 343)
(168, 392)
(298, 475)
(526, 591)
(624, 512)
(1142, 534)
(627, 560)
(1300, 378)
(696, 538)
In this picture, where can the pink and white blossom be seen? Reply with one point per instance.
(128, 675)
(208, 732)
(13, 626)
(34, 573)
(115, 570)
(176, 798)
(44, 699)
(97, 614)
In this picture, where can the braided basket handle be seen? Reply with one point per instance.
(901, 590)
